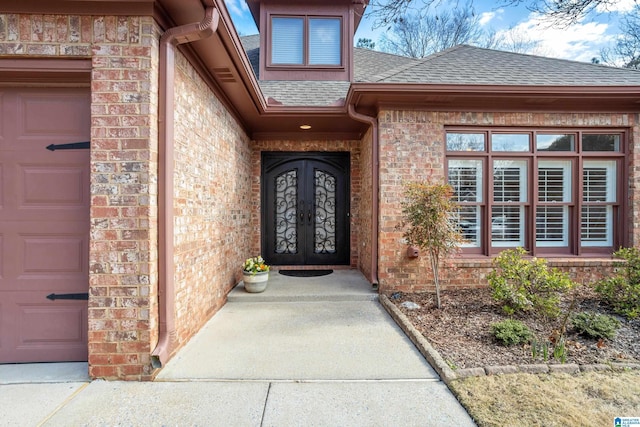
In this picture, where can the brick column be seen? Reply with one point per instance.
(123, 253)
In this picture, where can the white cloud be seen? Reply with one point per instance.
(580, 42)
(236, 7)
(486, 17)
(620, 6)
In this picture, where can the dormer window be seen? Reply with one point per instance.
(306, 41)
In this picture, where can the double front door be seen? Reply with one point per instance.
(305, 208)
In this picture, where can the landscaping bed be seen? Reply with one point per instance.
(461, 330)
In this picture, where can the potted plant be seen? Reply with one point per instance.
(255, 274)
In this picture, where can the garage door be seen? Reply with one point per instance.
(44, 224)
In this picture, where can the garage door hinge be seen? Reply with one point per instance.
(68, 296)
(72, 146)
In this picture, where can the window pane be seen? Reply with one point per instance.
(599, 181)
(597, 226)
(507, 226)
(510, 142)
(509, 181)
(286, 40)
(465, 176)
(600, 142)
(465, 142)
(564, 142)
(324, 41)
(554, 181)
(552, 226)
(469, 225)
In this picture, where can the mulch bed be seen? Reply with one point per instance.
(461, 330)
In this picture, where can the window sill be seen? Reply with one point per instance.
(476, 261)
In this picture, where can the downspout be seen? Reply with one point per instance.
(166, 274)
(375, 189)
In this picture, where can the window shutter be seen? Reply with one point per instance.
(465, 176)
(598, 181)
(287, 40)
(324, 41)
(554, 186)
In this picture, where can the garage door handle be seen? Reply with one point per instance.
(72, 146)
(54, 297)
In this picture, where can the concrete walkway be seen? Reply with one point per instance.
(306, 352)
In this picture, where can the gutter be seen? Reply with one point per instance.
(375, 189)
(166, 277)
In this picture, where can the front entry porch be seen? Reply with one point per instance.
(317, 328)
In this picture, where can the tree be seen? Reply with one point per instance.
(626, 50)
(418, 37)
(561, 12)
(427, 216)
(366, 44)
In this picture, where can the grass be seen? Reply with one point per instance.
(586, 399)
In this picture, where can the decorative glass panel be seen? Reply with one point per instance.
(465, 176)
(286, 217)
(509, 181)
(600, 142)
(510, 142)
(287, 40)
(507, 226)
(324, 41)
(465, 142)
(325, 213)
(564, 142)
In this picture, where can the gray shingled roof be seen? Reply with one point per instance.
(460, 65)
(467, 65)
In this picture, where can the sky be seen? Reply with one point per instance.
(580, 42)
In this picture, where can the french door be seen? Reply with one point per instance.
(305, 208)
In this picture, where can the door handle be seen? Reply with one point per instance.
(309, 216)
(301, 209)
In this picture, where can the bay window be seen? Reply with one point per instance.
(547, 191)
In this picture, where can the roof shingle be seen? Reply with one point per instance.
(460, 65)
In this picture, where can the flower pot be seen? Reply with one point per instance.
(257, 282)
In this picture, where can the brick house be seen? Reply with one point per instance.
(192, 149)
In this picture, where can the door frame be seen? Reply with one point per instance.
(338, 159)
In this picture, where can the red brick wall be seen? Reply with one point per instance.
(357, 177)
(122, 252)
(213, 201)
(412, 149)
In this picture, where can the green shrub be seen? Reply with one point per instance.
(595, 325)
(523, 285)
(511, 332)
(622, 292)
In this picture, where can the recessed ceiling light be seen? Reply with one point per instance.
(305, 127)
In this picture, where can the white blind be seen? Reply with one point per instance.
(324, 41)
(554, 185)
(465, 176)
(509, 181)
(598, 187)
(287, 38)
